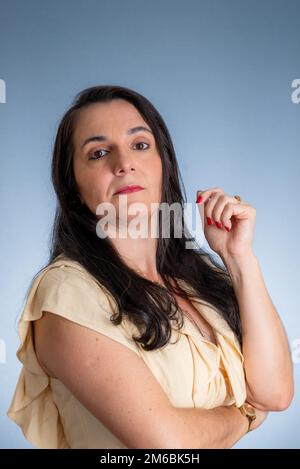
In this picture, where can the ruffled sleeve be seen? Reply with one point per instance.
(66, 289)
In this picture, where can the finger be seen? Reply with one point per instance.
(218, 208)
(231, 209)
(209, 206)
(201, 211)
(207, 193)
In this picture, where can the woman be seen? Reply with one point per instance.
(91, 382)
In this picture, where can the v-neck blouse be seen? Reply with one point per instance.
(193, 371)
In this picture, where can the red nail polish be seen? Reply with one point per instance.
(209, 221)
(219, 225)
(199, 199)
(226, 228)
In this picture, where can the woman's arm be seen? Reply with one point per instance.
(119, 389)
(218, 428)
(268, 365)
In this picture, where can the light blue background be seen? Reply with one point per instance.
(220, 73)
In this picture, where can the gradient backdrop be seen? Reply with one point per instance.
(219, 72)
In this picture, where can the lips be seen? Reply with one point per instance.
(128, 189)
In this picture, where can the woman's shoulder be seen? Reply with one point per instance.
(67, 289)
(63, 271)
(66, 264)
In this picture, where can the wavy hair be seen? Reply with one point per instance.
(150, 306)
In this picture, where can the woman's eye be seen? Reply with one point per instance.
(97, 152)
(96, 155)
(142, 143)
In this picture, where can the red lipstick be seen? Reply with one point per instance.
(128, 189)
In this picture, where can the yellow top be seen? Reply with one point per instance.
(193, 372)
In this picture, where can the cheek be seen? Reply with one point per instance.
(156, 176)
(93, 185)
(98, 187)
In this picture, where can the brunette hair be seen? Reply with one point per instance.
(150, 306)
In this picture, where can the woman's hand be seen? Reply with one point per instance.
(228, 224)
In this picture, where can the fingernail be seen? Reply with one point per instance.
(209, 221)
(226, 228)
(199, 199)
(219, 225)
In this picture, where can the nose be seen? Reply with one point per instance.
(124, 162)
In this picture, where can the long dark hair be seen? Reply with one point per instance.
(148, 305)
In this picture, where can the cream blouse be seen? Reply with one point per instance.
(193, 371)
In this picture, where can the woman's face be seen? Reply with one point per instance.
(107, 157)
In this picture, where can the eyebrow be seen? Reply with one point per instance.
(103, 138)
